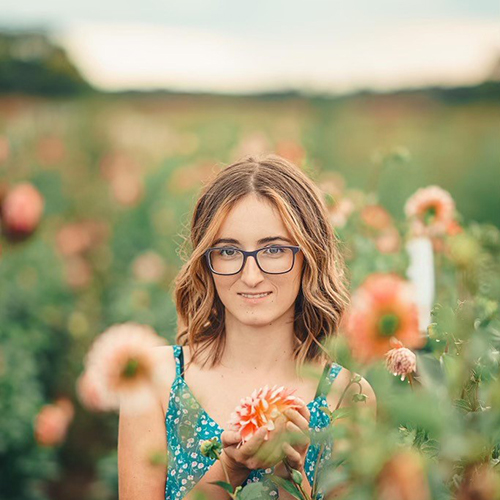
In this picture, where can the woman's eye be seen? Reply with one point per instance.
(270, 250)
(227, 250)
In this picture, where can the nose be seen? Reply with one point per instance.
(251, 273)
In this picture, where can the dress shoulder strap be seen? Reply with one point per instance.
(329, 374)
(179, 360)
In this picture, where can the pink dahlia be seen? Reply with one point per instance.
(22, 209)
(376, 217)
(52, 421)
(261, 409)
(122, 366)
(382, 308)
(430, 211)
(400, 361)
(340, 211)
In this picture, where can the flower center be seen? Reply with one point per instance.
(388, 325)
(131, 368)
(430, 215)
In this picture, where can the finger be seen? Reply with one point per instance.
(254, 443)
(293, 457)
(230, 438)
(297, 418)
(304, 411)
(297, 435)
(270, 450)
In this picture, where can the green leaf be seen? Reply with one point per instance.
(228, 487)
(253, 491)
(287, 486)
(343, 412)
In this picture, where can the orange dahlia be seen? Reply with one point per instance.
(261, 409)
(382, 308)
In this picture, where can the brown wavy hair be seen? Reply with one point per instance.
(323, 296)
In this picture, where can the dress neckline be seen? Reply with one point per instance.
(319, 398)
(180, 379)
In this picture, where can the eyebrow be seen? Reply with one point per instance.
(260, 242)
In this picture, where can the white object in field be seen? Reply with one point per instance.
(421, 273)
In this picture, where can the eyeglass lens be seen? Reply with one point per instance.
(271, 260)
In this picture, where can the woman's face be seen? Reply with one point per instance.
(250, 220)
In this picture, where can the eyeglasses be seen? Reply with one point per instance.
(276, 259)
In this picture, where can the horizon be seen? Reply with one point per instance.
(324, 47)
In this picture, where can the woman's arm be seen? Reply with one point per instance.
(143, 436)
(139, 438)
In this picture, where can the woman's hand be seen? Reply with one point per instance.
(256, 453)
(297, 440)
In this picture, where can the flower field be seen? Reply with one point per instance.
(95, 201)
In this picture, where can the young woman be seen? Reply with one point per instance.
(263, 286)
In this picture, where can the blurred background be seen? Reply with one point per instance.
(113, 115)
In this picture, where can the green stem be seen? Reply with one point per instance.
(225, 472)
(289, 469)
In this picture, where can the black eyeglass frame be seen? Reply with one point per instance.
(247, 254)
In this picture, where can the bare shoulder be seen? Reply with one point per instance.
(341, 385)
(164, 360)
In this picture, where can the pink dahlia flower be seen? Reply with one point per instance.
(122, 366)
(430, 211)
(51, 424)
(261, 409)
(400, 361)
(22, 209)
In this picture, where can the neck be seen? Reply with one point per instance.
(266, 348)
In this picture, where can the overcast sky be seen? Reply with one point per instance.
(223, 45)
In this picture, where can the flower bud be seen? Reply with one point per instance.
(296, 476)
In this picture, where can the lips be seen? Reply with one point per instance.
(260, 293)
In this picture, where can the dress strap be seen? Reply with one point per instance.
(179, 360)
(329, 374)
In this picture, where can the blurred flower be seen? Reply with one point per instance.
(430, 211)
(50, 150)
(4, 149)
(381, 308)
(149, 267)
(480, 482)
(403, 478)
(78, 272)
(453, 228)
(22, 209)
(78, 237)
(122, 362)
(261, 409)
(292, 151)
(127, 188)
(254, 143)
(388, 241)
(400, 361)
(340, 212)
(376, 217)
(52, 421)
(117, 162)
(190, 177)
(332, 184)
(91, 393)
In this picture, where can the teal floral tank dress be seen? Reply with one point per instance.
(187, 424)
